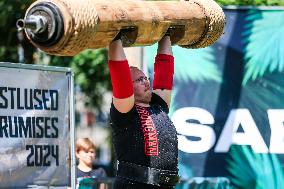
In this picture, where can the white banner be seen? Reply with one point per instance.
(34, 127)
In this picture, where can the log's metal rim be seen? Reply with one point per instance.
(268, 8)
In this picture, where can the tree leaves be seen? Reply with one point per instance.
(91, 74)
(10, 12)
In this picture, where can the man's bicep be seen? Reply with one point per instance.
(164, 94)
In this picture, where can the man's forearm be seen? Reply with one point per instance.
(164, 46)
(122, 85)
(119, 71)
(115, 51)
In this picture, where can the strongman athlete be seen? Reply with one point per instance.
(145, 139)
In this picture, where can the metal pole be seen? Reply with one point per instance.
(72, 133)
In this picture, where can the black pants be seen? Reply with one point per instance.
(121, 183)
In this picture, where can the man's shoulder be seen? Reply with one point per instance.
(121, 119)
(157, 100)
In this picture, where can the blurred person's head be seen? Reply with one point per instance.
(141, 86)
(85, 152)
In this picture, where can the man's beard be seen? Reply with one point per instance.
(146, 98)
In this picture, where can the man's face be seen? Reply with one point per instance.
(141, 85)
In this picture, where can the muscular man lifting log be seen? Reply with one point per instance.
(145, 139)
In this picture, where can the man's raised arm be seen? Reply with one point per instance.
(164, 70)
(122, 86)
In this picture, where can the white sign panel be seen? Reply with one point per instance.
(34, 127)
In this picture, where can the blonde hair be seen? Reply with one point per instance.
(84, 144)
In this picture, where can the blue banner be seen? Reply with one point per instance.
(227, 102)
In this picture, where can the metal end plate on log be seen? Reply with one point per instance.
(67, 27)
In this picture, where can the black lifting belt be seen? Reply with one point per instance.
(146, 175)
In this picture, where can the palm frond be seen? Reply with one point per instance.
(205, 183)
(190, 64)
(254, 170)
(264, 40)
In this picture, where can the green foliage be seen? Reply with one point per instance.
(257, 171)
(91, 73)
(198, 65)
(252, 2)
(8, 54)
(205, 183)
(10, 12)
(247, 2)
(194, 64)
(264, 43)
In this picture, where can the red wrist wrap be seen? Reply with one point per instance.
(120, 78)
(163, 72)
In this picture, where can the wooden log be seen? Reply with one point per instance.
(95, 23)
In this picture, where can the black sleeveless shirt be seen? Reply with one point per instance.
(146, 135)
